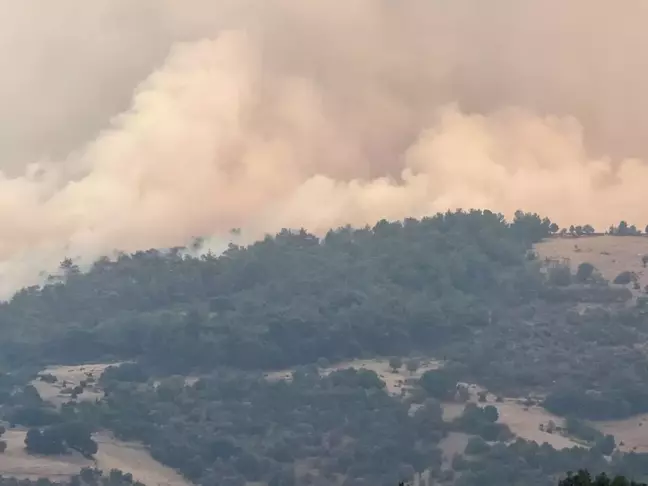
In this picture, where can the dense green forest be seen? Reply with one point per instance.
(430, 286)
(465, 287)
(282, 301)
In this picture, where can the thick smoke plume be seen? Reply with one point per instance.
(127, 125)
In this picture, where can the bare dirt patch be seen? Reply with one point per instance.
(524, 421)
(134, 458)
(611, 255)
(631, 434)
(69, 377)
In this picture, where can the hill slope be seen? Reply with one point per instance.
(462, 288)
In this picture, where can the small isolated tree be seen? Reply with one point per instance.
(606, 445)
(395, 364)
(491, 414)
(624, 278)
(477, 446)
(440, 384)
(68, 268)
(47, 378)
(584, 272)
(588, 229)
(554, 228)
(323, 363)
(3, 446)
(644, 260)
(482, 396)
(413, 365)
(559, 275)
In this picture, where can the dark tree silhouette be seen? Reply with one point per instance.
(584, 478)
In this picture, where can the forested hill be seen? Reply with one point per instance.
(465, 290)
(285, 300)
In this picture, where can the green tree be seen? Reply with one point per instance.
(584, 478)
(413, 365)
(395, 364)
(559, 274)
(606, 445)
(584, 272)
(476, 446)
(440, 384)
(625, 278)
(491, 413)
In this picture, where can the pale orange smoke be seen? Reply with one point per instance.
(263, 114)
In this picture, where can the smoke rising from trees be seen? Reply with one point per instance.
(130, 125)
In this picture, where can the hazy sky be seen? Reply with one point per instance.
(136, 124)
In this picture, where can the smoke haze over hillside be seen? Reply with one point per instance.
(136, 124)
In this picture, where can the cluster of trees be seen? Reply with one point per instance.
(59, 438)
(622, 229)
(584, 478)
(233, 427)
(578, 230)
(581, 430)
(50, 432)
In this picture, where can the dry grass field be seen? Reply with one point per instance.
(611, 255)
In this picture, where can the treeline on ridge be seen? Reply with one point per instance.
(282, 301)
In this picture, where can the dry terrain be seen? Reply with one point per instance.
(632, 432)
(16, 462)
(611, 255)
(524, 421)
(67, 378)
(113, 453)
